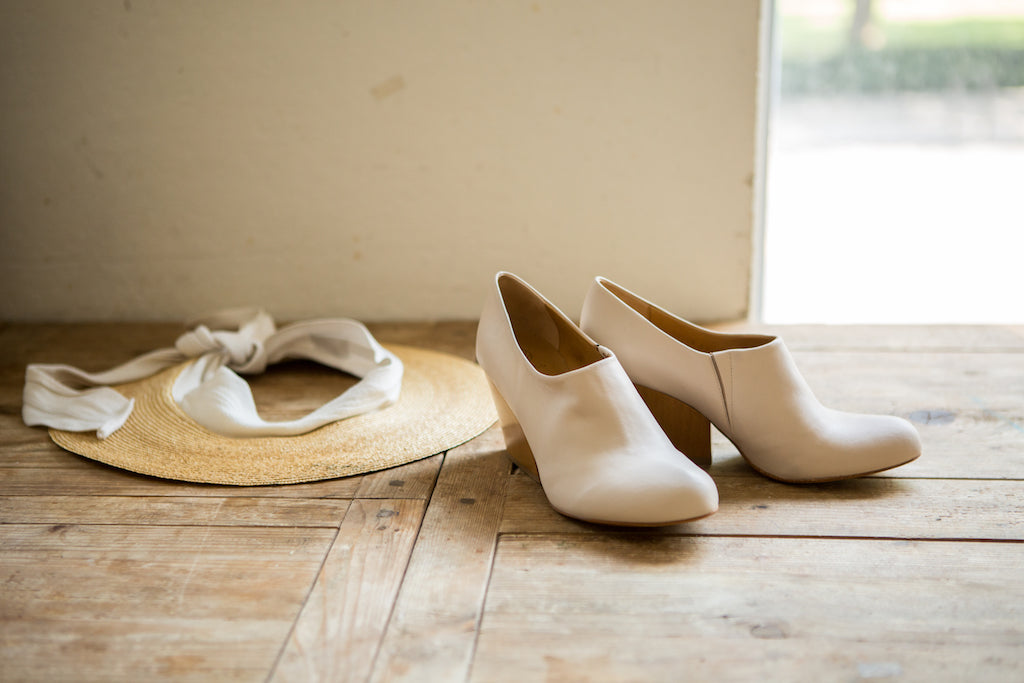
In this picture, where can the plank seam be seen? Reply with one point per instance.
(405, 572)
(490, 575)
(305, 600)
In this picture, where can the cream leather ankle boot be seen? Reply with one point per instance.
(749, 387)
(573, 420)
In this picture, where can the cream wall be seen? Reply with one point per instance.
(375, 159)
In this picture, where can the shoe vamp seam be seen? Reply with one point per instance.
(722, 390)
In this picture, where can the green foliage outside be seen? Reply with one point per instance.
(962, 54)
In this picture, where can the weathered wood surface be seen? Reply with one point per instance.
(337, 635)
(913, 574)
(879, 507)
(134, 602)
(414, 480)
(433, 630)
(25, 475)
(641, 607)
(173, 511)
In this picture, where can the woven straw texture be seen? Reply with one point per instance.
(445, 401)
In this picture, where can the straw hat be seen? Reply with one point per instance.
(194, 420)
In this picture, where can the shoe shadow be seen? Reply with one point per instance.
(750, 505)
(740, 485)
(527, 513)
(638, 547)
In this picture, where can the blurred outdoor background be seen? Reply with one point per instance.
(895, 185)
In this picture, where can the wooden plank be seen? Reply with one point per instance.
(84, 476)
(432, 632)
(905, 382)
(88, 478)
(41, 455)
(172, 511)
(112, 602)
(413, 480)
(104, 650)
(161, 544)
(342, 623)
(643, 607)
(26, 446)
(875, 507)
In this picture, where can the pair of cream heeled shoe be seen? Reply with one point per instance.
(598, 413)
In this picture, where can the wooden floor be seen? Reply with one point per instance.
(454, 568)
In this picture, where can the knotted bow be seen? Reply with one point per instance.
(243, 340)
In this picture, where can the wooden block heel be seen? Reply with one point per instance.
(687, 429)
(515, 440)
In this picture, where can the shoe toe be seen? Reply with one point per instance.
(689, 494)
(677, 492)
(881, 443)
(901, 444)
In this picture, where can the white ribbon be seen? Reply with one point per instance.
(243, 340)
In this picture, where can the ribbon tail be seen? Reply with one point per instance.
(64, 397)
(49, 403)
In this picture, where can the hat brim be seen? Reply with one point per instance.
(444, 402)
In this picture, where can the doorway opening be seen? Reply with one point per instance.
(895, 163)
